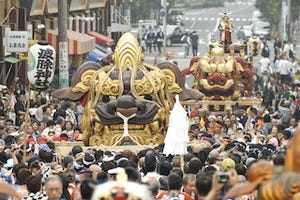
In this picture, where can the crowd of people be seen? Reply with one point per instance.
(222, 147)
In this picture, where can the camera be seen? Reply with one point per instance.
(223, 177)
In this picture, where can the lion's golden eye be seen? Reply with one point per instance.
(105, 99)
(148, 97)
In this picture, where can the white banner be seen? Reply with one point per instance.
(63, 64)
(41, 65)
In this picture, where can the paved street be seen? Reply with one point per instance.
(205, 22)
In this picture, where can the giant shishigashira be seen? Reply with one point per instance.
(128, 91)
(223, 75)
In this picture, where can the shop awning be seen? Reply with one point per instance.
(101, 39)
(96, 55)
(11, 60)
(97, 3)
(99, 53)
(78, 43)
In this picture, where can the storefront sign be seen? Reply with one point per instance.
(17, 41)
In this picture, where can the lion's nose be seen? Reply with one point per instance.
(127, 105)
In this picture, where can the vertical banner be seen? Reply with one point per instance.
(41, 65)
(63, 64)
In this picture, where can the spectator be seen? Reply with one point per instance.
(39, 111)
(34, 186)
(54, 187)
(87, 189)
(174, 187)
(189, 185)
(20, 109)
(194, 42)
(70, 115)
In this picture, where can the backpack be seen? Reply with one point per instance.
(173, 196)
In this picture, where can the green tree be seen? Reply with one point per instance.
(271, 11)
(147, 9)
(144, 9)
(295, 10)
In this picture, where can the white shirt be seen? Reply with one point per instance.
(286, 49)
(295, 68)
(285, 67)
(276, 65)
(264, 65)
(151, 175)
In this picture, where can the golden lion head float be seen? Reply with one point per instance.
(128, 102)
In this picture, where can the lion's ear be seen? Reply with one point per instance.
(173, 87)
(85, 82)
(176, 82)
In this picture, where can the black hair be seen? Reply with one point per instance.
(267, 118)
(194, 166)
(23, 175)
(236, 158)
(67, 162)
(18, 167)
(280, 127)
(203, 183)
(163, 182)
(150, 161)
(212, 160)
(279, 160)
(76, 149)
(46, 156)
(240, 169)
(107, 166)
(65, 184)
(177, 171)
(287, 134)
(209, 169)
(102, 177)
(51, 145)
(3, 158)
(174, 181)
(132, 174)
(194, 127)
(254, 110)
(202, 155)
(87, 188)
(98, 154)
(164, 168)
(293, 97)
(33, 184)
(43, 101)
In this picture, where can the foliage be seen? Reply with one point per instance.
(142, 9)
(147, 9)
(271, 11)
(295, 9)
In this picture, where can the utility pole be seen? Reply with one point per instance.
(63, 43)
(283, 19)
(164, 6)
(288, 19)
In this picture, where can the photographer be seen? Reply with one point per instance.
(221, 181)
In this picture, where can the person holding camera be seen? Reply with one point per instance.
(220, 181)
